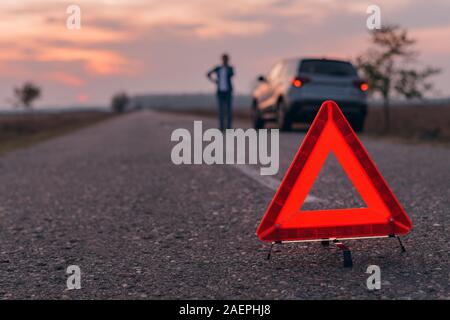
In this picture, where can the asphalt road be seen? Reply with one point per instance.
(108, 199)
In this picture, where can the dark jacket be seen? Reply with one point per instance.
(230, 74)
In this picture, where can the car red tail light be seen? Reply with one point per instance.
(364, 86)
(299, 81)
(361, 85)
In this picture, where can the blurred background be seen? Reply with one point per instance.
(155, 53)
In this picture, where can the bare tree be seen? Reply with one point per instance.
(26, 94)
(389, 67)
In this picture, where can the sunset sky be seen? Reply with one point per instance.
(152, 46)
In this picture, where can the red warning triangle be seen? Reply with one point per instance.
(285, 221)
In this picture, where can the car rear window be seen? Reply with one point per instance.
(327, 67)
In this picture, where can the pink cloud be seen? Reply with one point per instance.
(97, 61)
(177, 40)
(67, 79)
(82, 97)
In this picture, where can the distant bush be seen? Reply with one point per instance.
(26, 94)
(119, 102)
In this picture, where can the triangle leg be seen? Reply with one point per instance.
(271, 247)
(346, 253)
(401, 244)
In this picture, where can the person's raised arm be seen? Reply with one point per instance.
(210, 73)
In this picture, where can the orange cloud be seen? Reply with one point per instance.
(98, 62)
(66, 79)
(9, 52)
(162, 35)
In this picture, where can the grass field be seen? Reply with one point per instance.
(21, 130)
(409, 123)
(430, 123)
(427, 123)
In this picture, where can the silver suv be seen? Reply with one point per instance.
(294, 89)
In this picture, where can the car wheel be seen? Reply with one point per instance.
(284, 119)
(258, 121)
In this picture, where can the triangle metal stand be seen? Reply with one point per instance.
(346, 252)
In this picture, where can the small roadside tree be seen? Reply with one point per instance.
(119, 102)
(389, 67)
(26, 94)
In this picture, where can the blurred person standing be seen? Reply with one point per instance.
(221, 75)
